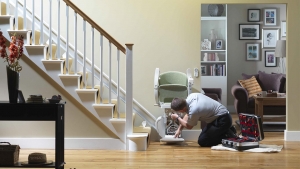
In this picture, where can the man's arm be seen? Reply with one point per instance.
(182, 122)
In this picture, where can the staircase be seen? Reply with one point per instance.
(78, 73)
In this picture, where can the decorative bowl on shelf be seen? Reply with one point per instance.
(215, 9)
(54, 100)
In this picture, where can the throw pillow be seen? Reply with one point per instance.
(282, 88)
(251, 85)
(246, 76)
(270, 81)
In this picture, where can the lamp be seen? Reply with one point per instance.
(280, 51)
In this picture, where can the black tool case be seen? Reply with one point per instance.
(251, 133)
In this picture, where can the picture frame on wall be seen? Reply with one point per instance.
(249, 31)
(253, 51)
(270, 17)
(283, 28)
(219, 44)
(270, 59)
(203, 70)
(270, 37)
(253, 15)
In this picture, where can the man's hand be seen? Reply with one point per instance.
(178, 131)
(174, 116)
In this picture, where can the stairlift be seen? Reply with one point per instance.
(167, 86)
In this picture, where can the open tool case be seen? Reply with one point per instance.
(251, 133)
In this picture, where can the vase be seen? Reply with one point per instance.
(212, 38)
(12, 84)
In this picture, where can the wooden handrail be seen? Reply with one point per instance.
(95, 25)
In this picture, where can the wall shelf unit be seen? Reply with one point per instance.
(214, 59)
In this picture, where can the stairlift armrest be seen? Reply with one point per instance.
(156, 85)
(190, 80)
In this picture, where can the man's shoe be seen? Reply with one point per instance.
(230, 134)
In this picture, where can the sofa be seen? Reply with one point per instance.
(214, 93)
(245, 104)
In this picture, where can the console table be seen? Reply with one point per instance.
(273, 101)
(38, 112)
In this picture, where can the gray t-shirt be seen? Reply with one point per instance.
(203, 108)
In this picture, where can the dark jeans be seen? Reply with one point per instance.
(213, 133)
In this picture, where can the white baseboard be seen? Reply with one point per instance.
(70, 143)
(291, 135)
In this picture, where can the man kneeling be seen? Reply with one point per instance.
(199, 107)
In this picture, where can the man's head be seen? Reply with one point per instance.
(178, 104)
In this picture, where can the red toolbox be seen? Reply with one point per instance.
(251, 133)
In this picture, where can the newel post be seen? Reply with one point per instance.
(129, 93)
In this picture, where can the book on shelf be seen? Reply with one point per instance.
(218, 70)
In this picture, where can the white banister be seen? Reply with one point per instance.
(32, 28)
(42, 23)
(24, 16)
(16, 16)
(118, 82)
(101, 67)
(67, 43)
(84, 53)
(93, 59)
(50, 29)
(109, 73)
(75, 36)
(58, 30)
(129, 92)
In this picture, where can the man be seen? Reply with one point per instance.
(199, 107)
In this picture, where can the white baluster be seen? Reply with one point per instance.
(24, 15)
(75, 35)
(32, 28)
(67, 43)
(109, 73)
(118, 79)
(84, 52)
(101, 67)
(93, 59)
(58, 30)
(129, 92)
(7, 7)
(50, 29)
(16, 16)
(42, 23)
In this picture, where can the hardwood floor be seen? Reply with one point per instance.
(183, 155)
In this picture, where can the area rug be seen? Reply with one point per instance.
(262, 148)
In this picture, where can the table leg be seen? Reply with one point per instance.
(59, 139)
(259, 109)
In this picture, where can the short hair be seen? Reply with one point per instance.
(178, 104)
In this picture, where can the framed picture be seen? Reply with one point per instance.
(205, 44)
(203, 70)
(253, 15)
(270, 17)
(269, 37)
(219, 44)
(270, 59)
(253, 51)
(283, 28)
(249, 31)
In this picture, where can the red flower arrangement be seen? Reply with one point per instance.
(15, 49)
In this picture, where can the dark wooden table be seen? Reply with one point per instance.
(39, 112)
